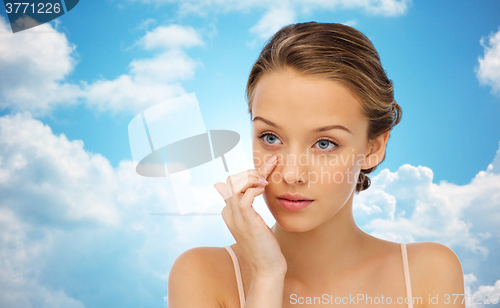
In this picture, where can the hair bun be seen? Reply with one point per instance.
(396, 112)
(363, 182)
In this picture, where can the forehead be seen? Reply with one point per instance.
(287, 97)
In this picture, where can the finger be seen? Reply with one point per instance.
(230, 187)
(226, 211)
(268, 166)
(229, 221)
(227, 216)
(239, 184)
(245, 211)
(250, 173)
(253, 180)
(243, 186)
(244, 175)
(251, 184)
(221, 189)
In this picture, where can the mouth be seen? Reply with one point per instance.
(294, 205)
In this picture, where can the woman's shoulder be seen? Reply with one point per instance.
(197, 277)
(431, 256)
(434, 268)
(201, 256)
(436, 249)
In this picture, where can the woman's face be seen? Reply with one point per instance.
(288, 111)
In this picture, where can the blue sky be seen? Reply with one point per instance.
(75, 218)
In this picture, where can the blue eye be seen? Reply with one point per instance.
(269, 138)
(324, 144)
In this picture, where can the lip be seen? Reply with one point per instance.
(294, 202)
(295, 197)
(294, 205)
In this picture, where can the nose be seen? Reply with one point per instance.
(295, 167)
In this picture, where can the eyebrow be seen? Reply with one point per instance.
(316, 130)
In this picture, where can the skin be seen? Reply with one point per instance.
(320, 249)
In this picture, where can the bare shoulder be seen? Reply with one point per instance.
(435, 269)
(434, 259)
(195, 278)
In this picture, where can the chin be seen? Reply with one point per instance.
(295, 225)
(293, 221)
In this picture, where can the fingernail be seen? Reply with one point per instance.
(272, 159)
(263, 180)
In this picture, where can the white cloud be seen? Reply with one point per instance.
(166, 67)
(151, 80)
(173, 36)
(145, 24)
(378, 7)
(494, 167)
(272, 21)
(34, 64)
(483, 295)
(72, 226)
(407, 206)
(19, 257)
(488, 71)
(127, 93)
(49, 171)
(385, 7)
(280, 13)
(37, 64)
(350, 23)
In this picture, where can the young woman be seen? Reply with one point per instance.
(322, 109)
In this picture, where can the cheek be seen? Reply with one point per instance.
(257, 161)
(340, 170)
(327, 178)
(258, 156)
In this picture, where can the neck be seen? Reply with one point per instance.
(315, 256)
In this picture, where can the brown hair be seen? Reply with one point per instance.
(340, 53)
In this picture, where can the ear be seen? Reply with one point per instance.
(376, 151)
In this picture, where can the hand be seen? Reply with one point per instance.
(254, 237)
